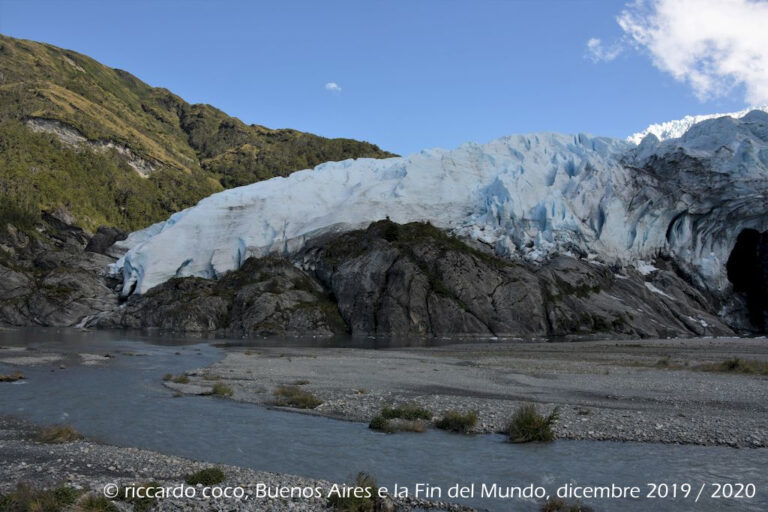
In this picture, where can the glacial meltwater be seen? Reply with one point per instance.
(123, 402)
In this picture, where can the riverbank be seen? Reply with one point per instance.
(647, 391)
(86, 465)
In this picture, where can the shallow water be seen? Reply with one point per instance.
(123, 402)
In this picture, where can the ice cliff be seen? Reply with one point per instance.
(523, 196)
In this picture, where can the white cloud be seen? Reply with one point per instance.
(713, 45)
(597, 51)
(333, 87)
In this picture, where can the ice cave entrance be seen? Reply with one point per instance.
(747, 268)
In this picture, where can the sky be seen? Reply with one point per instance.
(415, 74)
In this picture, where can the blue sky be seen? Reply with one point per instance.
(413, 74)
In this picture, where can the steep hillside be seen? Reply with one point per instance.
(103, 146)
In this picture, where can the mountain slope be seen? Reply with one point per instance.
(64, 116)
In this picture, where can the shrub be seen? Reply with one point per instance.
(180, 379)
(528, 425)
(139, 504)
(221, 389)
(558, 505)
(26, 498)
(94, 503)
(58, 434)
(406, 412)
(365, 503)
(456, 421)
(12, 377)
(736, 365)
(19, 208)
(292, 396)
(407, 418)
(379, 422)
(206, 477)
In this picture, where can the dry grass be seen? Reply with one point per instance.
(58, 434)
(176, 379)
(292, 396)
(406, 418)
(558, 505)
(221, 390)
(737, 365)
(25, 498)
(206, 477)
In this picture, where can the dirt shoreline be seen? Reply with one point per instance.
(647, 390)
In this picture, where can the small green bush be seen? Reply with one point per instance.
(221, 390)
(379, 422)
(366, 503)
(206, 477)
(406, 412)
(292, 396)
(528, 425)
(407, 418)
(456, 421)
(139, 504)
(57, 434)
(25, 498)
(180, 379)
(96, 503)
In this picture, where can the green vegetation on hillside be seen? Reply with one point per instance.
(195, 150)
(38, 172)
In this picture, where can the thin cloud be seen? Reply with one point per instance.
(599, 52)
(712, 45)
(333, 87)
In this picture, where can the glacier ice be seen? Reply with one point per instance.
(524, 196)
(676, 128)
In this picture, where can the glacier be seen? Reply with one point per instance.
(522, 196)
(676, 128)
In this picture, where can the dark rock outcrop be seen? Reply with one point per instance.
(264, 296)
(46, 277)
(104, 238)
(414, 279)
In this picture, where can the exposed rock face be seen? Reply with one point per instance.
(104, 238)
(264, 296)
(414, 279)
(48, 279)
(70, 136)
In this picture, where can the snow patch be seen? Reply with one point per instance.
(655, 290)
